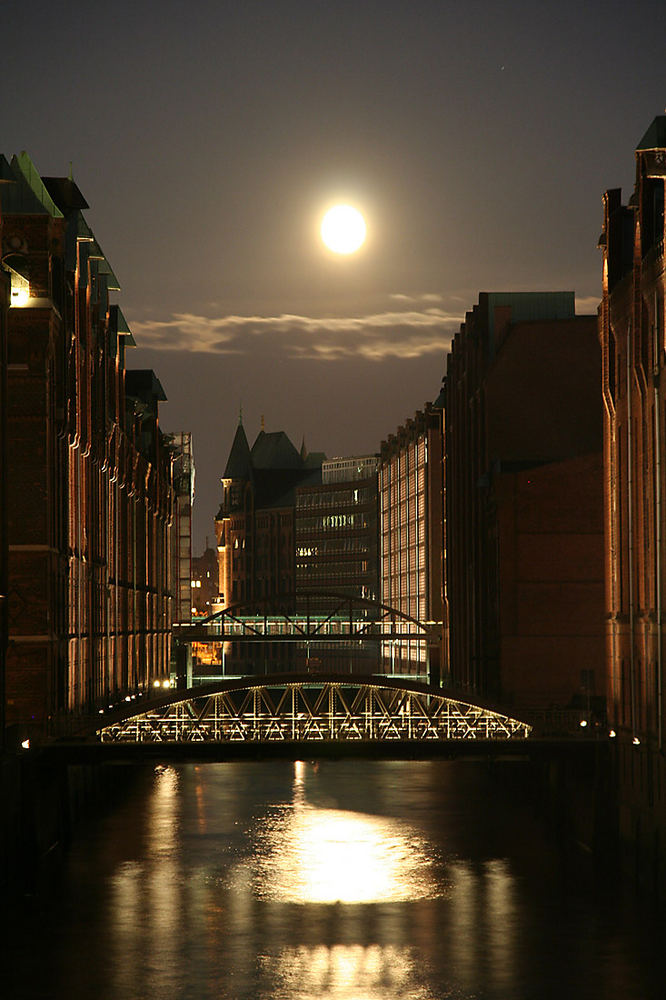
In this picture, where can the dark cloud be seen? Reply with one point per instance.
(392, 334)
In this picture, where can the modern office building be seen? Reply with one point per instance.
(182, 458)
(412, 535)
(632, 330)
(524, 503)
(337, 530)
(89, 501)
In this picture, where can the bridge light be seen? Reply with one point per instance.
(26, 744)
(636, 741)
(127, 698)
(612, 734)
(166, 684)
(101, 711)
(583, 723)
(156, 684)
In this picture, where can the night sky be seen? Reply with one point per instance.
(477, 138)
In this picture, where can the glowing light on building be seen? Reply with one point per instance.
(20, 288)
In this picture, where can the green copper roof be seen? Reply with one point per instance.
(83, 230)
(121, 326)
(105, 268)
(16, 195)
(36, 185)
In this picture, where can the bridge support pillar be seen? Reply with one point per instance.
(434, 664)
(183, 663)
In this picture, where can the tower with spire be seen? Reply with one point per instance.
(254, 526)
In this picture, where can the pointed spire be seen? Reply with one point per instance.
(239, 463)
(304, 450)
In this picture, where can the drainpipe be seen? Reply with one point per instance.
(630, 533)
(657, 500)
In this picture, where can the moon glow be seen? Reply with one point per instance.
(343, 229)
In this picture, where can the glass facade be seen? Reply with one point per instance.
(411, 533)
(336, 534)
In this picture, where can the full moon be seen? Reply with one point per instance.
(343, 229)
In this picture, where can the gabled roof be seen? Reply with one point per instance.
(120, 326)
(277, 487)
(65, 193)
(655, 137)
(440, 402)
(16, 195)
(239, 463)
(26, 195)
(275, 451)
(143, 383)
(315, 459)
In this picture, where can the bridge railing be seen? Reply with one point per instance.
(302, 616)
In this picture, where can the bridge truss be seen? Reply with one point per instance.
(307, 708)
(308, 617)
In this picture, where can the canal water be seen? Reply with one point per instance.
(328, 881)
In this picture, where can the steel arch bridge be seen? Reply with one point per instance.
(310, 708)
(308, 617)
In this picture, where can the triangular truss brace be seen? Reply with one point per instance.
(317, 710)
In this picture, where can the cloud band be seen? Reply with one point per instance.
(391, 334)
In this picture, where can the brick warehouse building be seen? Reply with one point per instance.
(254, 526)
(412, 537)
(5, 292)
(88, 484)
(524, 504)
(632, 330)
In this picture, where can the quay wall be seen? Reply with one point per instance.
(43, 805)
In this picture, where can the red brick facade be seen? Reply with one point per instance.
(550, 589)
(89, 497)
(631, 326)
(524, 503)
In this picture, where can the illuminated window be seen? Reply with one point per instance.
(20, 293)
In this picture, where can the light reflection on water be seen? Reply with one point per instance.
(363, 881)
(347, 972)
(311, 855)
